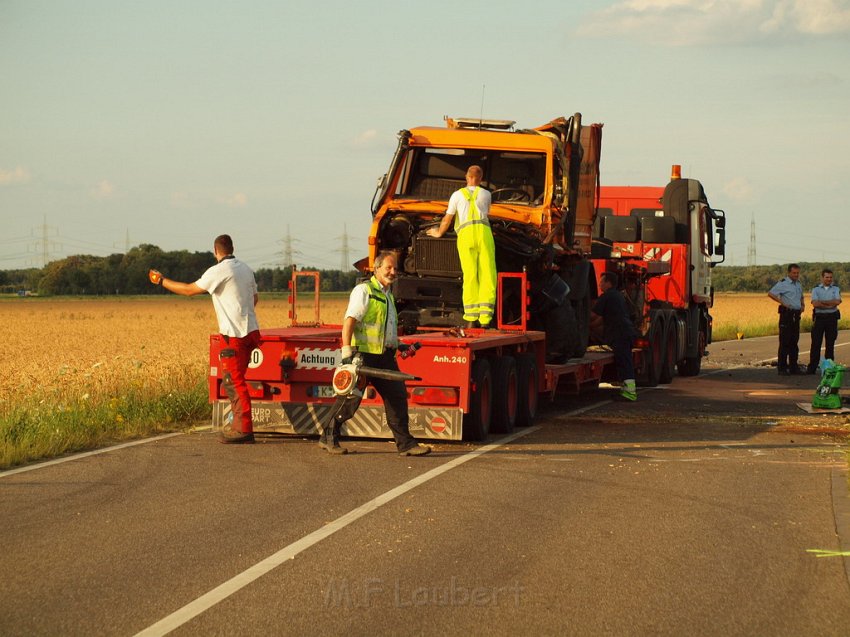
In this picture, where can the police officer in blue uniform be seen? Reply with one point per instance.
(789, 294)
(826, 298)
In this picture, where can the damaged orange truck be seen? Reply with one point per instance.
(551, 247)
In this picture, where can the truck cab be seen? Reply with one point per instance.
(543, 185)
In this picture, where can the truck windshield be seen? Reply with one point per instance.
(435, 173)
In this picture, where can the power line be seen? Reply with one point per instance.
(751, 249)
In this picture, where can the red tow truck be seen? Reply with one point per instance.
(550, 251)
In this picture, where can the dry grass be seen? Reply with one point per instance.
(750, 315)
(80, 373)
(74, 349)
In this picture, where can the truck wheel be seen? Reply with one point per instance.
(528, 388)
(476, 424)
(561, 333)
(581, 309)
(668, 367)
(691, 366)
(653, 357)
(504, 394)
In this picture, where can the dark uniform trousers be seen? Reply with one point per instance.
(789, 337)
(394, 395)
(824, 325)
(622, 346)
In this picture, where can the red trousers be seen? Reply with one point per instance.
(234, 358)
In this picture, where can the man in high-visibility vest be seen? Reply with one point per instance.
(469, 208)
(370, 327)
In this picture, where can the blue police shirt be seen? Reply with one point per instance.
(826, 293)
(789, 292)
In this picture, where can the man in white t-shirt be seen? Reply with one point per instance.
(233, 289)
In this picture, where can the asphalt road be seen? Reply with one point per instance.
(692, 511)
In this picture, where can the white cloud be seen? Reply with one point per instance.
(181, 199)
(366, 138)
(103, 190)
(17, 175)
(738, 189)
(696, 22)
(236, 200)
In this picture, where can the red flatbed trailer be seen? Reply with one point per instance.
(472, 381)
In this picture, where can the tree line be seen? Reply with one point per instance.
(128, 274)
(120, 274)
(761, 278)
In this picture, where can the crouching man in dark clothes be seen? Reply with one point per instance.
(612, 313)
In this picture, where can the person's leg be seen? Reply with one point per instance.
(394, 395)
(625, 367)
(794, 344)
(234, 358)
(469, 265)
(831, 333)
(782, 356)
(487, 276)
(818, 326)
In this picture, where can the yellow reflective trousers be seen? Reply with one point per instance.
(477, 253)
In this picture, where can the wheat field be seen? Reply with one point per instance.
(81, 373)
(77, 348)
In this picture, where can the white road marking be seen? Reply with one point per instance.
(231, 586)
(85, 454)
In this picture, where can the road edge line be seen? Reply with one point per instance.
(251, 574)
(86, 454)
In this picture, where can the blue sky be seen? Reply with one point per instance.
(172, 122)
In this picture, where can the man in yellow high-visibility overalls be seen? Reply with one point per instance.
(469, 209)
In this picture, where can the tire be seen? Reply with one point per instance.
(581, 310)
(668, 367)
(528, 389)
(476, 424)
(691, 366)
(505, 394)
(654, 357)
(561, 333)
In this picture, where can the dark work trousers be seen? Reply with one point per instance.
(234, 357)
(394, 395)
(622, 347)
(824, 325)
(789, 336)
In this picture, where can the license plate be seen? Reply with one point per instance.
(323, 391)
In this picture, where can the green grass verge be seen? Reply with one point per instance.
(43, 428)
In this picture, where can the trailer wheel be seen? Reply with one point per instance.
(476, 424)
(504, 394)
(668, 367)
(653, 358)
(691, 365)
(528, 388)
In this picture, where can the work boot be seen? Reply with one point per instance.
(470, 324)
(330, 441)
(236, 438)
(418, 450)
(628, 390)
